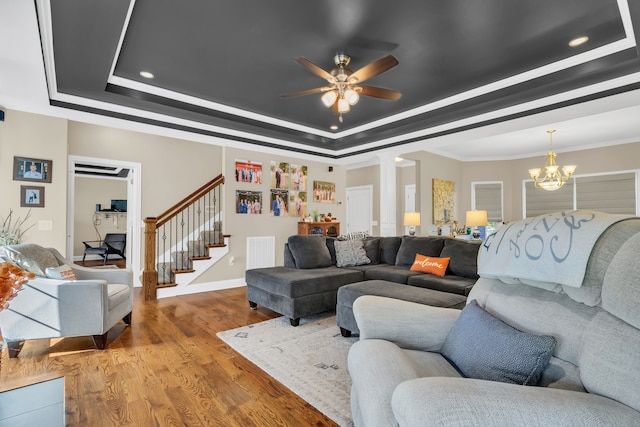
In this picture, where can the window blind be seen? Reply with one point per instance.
(488, 197)
(614, 193)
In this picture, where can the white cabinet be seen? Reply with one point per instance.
(33, 401)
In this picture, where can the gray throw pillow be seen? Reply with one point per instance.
(372, 248)
(332, 249)
(482, 346)
(389, 249)
(412, 245)
(464, 257)
(29, 257)
(309, 251)
(350, 253)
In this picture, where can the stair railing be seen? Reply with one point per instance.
(180, 234)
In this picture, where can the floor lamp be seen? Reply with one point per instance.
(476, 219)
(412, 219)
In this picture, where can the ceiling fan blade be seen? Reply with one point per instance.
(380, 92)
(314, 69)
(305, 92)
(373, 69)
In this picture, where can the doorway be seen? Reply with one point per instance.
(122, 173)
(359, 208)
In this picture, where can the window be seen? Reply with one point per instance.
(487, 196)
(614, 193)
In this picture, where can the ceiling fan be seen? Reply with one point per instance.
(344, 87)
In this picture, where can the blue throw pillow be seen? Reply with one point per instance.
(482, 346)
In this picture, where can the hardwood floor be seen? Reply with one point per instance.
(167, 369)
(119, 262)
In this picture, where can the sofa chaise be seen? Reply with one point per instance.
(314, 270)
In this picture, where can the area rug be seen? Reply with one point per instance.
(310, 360)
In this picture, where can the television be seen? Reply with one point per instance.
(119, 205)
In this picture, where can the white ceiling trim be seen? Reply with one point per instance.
(612, 48)
(542, 102)
(44, 15)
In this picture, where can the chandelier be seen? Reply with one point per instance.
(551, 177)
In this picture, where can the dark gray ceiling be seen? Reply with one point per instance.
(240, 54)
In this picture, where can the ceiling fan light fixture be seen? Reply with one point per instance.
(343, 91)
(351, 96)
(329, 98)
(343, 106)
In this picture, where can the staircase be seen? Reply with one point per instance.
(186, 234)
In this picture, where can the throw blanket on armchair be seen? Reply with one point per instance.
(541, 249)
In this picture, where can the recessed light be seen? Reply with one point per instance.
(399, 159)
(334, 127)
(578, 41)
(147, 74)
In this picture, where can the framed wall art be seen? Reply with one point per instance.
(444, 193)
(298, 203)
(298, 177)
(280, 174)
(278, 202)
(248, 171)
(324, 192)
(37, 170)
(31, 197)
(248, 202)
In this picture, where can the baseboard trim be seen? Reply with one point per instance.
(200, 287)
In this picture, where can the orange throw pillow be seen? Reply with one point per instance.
(431, 265)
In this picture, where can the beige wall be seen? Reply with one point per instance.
(510, 172)
(34, 136)
(513, 172)
(429, 166)
(241, 226)
(171, 169)
(87, 224)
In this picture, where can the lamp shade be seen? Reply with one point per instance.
(412, 218)
(476, 218)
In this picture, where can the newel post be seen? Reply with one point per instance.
(149, 274)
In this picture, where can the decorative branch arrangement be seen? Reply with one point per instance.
(11, 232)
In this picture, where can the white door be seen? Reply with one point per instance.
(409, 201)
(359, 208)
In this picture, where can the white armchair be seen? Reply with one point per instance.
(51, 308)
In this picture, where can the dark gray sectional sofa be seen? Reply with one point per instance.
(308, 282)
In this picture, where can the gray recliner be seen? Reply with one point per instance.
(400, 376)
(51, 308)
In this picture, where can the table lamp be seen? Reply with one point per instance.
(412, 219)
(476, 219)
